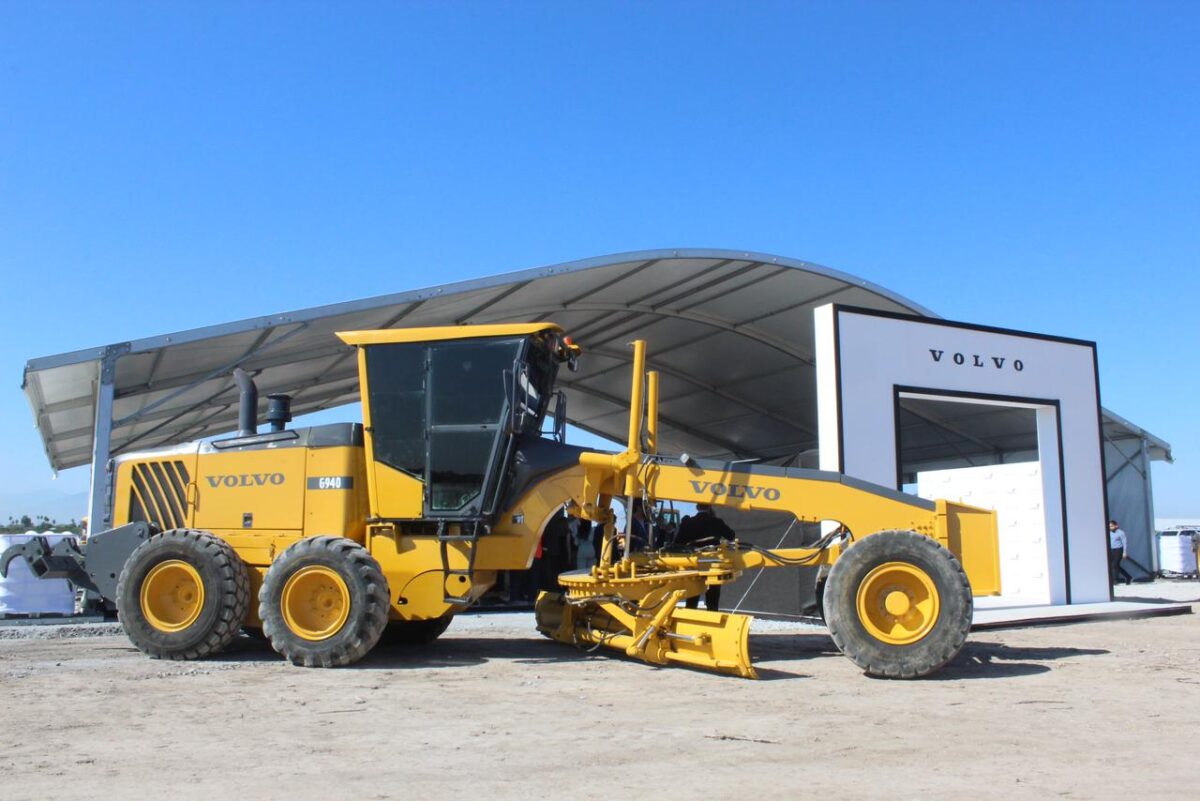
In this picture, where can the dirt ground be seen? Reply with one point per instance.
(1092, 710)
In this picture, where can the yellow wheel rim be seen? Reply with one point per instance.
(172, 596)
(898, 603)
(315, 603)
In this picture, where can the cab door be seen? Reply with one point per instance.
(468, 401)
(434, 417)
(393, 377)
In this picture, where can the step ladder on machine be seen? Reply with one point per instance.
(468, 533)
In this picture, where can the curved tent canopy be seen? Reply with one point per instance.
(730, 332)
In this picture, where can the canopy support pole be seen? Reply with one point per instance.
(99, 515)
(1148, 490)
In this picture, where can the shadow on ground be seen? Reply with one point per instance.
(447, 652)
(977, 660)
(990, 660)
(782, 652)
(1146, 599)
(459, 651)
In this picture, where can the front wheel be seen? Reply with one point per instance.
(898, 605)
(183, 594)
(324, 602)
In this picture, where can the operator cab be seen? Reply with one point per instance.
(443, 408)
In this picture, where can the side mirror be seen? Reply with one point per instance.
(560, 416)
(516, 384)
(510, 392)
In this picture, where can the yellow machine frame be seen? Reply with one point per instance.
(638, 595)
(628, 601)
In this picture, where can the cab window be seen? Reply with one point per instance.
(396, 379)
(468, 400)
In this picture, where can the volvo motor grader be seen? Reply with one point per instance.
(323, 537)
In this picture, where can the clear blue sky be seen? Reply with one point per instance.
(1030, 165)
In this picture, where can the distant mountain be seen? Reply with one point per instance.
(59, 506)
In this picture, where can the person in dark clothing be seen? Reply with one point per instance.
(1118, 549)
(585, 545)
(555, 553)
(702, 526)
(639, 530)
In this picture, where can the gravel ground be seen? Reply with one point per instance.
(1094, 710)
(1187, 590)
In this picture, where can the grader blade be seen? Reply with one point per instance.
(661, 635)
(717, 641)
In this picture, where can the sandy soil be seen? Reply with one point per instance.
(1093, 711)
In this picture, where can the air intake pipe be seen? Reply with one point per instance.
(248, 405)
(279, 411)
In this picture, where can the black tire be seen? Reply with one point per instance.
(415, 632)
(226, 595)
(925, 647)
(366, 599)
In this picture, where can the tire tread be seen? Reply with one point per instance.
(233, 593)
(937, 648)
(367, 624)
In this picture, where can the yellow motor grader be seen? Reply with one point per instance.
(322, 537)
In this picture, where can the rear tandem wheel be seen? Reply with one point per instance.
(898, 604)
(324, 602)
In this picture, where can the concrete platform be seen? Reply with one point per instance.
(1149, 599)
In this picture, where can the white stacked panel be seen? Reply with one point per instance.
(1176, 552)
(24, 593)
(1015, 492)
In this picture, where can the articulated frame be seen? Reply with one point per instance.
(631, 604)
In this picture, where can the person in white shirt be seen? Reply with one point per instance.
(1118, 549)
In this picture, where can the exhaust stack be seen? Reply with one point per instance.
(248, 404)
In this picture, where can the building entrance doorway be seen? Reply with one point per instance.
(997, 453)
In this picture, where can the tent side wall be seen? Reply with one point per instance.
(1131, 501)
